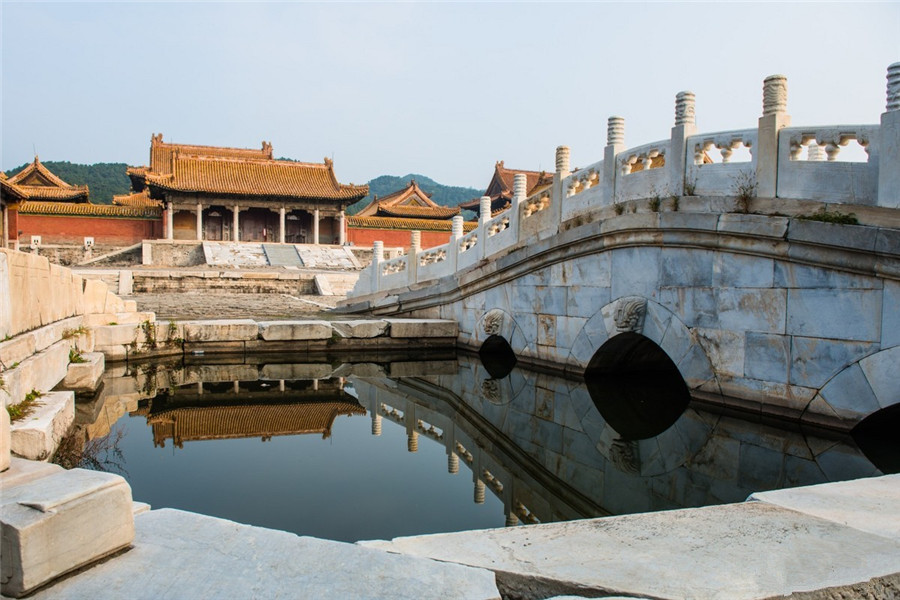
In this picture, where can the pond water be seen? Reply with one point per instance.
(389, 446)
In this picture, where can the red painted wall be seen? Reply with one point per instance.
(73, 230)
(394, 238)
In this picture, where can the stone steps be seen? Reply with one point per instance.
(281, 255)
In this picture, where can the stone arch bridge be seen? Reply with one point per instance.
(759, 307)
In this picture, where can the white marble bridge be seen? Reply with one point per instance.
(713, 260)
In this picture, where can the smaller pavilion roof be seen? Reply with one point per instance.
(411, 202)
(135, 199)
(500, 188)
(36, 182)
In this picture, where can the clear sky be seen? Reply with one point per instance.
(442, 89)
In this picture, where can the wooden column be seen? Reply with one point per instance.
(236, 222)
(170, 235)
(342, 236)
(281, 225)
(199, 222)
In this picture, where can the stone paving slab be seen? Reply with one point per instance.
(183, 555)
(871, 505)
(749, 550)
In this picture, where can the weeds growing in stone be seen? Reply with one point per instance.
(654, 203)
(76, 357)
(70, 333)
(826, 216)
(745, 190)
(690, 187)
(149, 330)
(19, 411)
(619, 209)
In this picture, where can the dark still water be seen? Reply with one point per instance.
(366, 450)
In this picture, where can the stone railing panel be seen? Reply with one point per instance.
(434, 263)
(584, 191)
(535, 217)
(828, 180)
(393, 272)
(649, 180)
(468, 248)
(719, 178)
(501, 231)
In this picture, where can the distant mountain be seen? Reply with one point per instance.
(445, 195)
(103, 179)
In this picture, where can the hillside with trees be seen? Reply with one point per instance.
(103, 179)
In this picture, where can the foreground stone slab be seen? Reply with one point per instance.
(85, 376)
(61, 522)
(871, 505)
(749, 550)
(423, 328)
(364, 328)
(204, 557)
(295, 330)
(21, 471)
(223, 330)
(38, 435)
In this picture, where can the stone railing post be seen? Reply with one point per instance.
(773, 119)
(685, 126)
(484, 215)
(520, 187)
(199, 222)
(456, 232)
(557, 193)
(377, 259)
(615, 143)
(888, 173)
(412, 258)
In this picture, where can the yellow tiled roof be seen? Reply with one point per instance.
(37, 182)
(161, 153)
(138, 199)
(221, 422)
(405, 224)
(411, 201)
(252, 177)
(423, 212)
(81, 209)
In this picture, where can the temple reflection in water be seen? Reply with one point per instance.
(547, 448)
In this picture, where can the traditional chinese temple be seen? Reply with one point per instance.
(500, 189)
(38, 205)
(242, 194)
(392, 218)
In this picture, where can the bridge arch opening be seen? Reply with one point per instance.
(876, 437)
(636, 387)
(497, 356)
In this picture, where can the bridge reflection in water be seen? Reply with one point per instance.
(542, 445)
